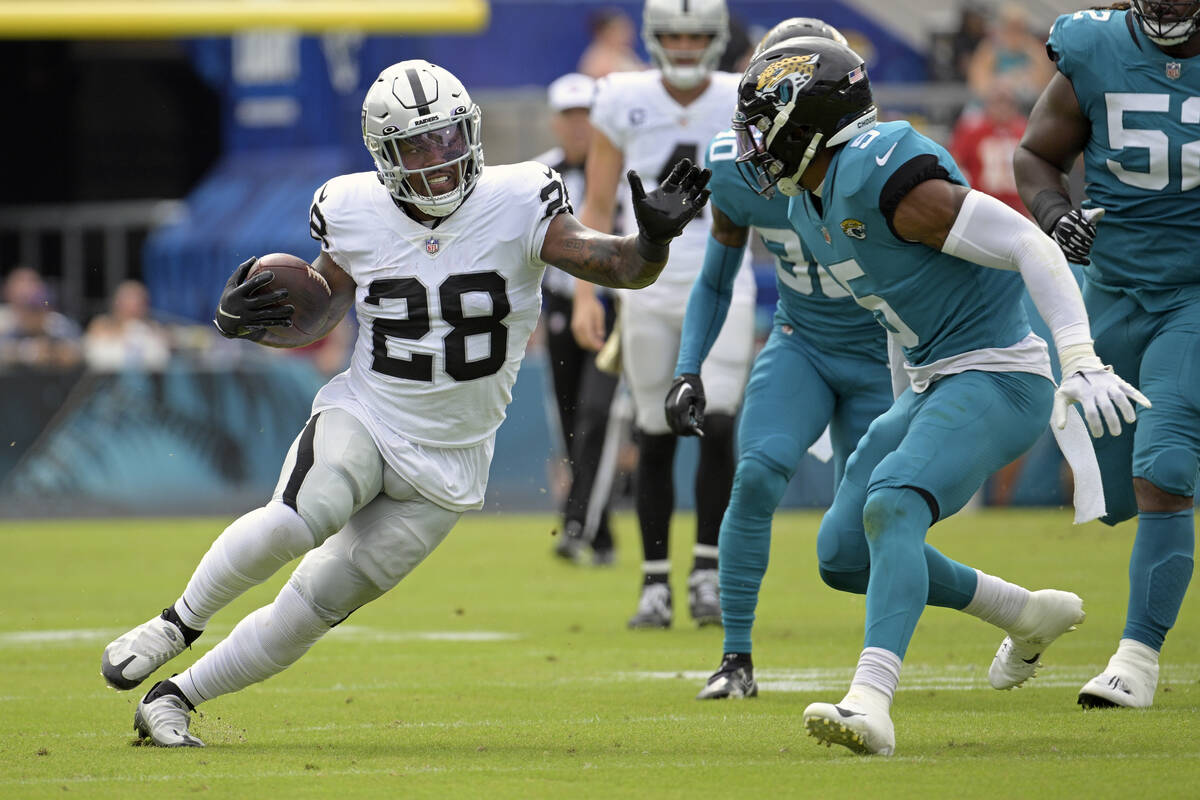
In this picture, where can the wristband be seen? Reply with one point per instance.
(651, 252)
(1048, 208)
(1077, 358)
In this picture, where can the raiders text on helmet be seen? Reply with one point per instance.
(422, 130)
(1167, 23)
(708, 17)
(796, 98)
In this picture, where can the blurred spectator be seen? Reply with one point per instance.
(972, 29)
(611, 48)
(984, 141)
(126, 337)
(32, 333)
(1011, 54)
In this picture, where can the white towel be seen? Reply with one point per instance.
(1076, 445)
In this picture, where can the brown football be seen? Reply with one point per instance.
(307, 289)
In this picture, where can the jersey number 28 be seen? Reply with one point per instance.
(419, 366)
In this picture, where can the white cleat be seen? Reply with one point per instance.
(163, 718)
(131, 658)
(859, 722)
(1047, 615)
(1129, 680)
(654, 607)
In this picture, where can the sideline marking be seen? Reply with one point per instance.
(960, 678)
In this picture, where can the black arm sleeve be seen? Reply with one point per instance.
(924, 167)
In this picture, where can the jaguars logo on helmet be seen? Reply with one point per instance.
(826, 103)
(798, 70)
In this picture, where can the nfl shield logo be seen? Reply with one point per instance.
(432, 245)
(825, 233)
(1173, 70)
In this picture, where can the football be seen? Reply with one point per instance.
(307, 289)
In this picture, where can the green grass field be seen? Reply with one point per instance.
(495, 670)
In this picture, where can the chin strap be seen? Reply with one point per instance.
(791, 186)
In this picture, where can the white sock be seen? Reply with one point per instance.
(878, 670)
(263, 644)
(1135, 652)
(247, 553)
(997, 601)
(656, 567)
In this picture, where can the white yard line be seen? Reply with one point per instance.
(15, 639)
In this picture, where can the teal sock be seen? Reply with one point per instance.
(1159, 571)
(951, 584)
(744, 547)
(895, 522)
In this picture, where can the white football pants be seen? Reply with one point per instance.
(650, 345)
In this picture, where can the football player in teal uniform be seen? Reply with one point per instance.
(890, 217)
(823, 348)
(1127, 97)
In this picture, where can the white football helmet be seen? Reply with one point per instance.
(685, 16)
(422, 129)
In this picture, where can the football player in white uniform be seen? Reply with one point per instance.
(647, 121)
(443, 261)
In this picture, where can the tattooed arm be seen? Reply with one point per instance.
(596, 257)
(630, 262)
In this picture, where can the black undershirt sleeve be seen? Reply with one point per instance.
(916, 170)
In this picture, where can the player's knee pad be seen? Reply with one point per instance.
(333, 469)
(1172, 470)
(854, 582)
(289, 628)
(333, 587)
(263, 540)
(895, 512)
(758, 486)
(841, 546)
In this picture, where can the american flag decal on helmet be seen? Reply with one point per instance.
(857, 74)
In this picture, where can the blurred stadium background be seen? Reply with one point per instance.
(165, 142)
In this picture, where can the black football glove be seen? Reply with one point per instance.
(244, 314)
(663, 213)
(1074, 233)
(685, 405)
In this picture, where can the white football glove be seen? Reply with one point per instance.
(1100, 393)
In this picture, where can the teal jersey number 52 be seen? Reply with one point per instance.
(1142, 161)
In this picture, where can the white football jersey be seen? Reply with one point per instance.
(444, 313)
(556, 280)
(653, 132)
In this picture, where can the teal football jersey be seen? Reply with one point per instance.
(1142, 162)
(935, 305)
(820, 310)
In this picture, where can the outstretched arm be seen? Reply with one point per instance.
(630, 262)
